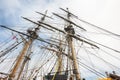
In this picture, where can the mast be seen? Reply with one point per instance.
(70, 30)
(60, 58)
(21, 60)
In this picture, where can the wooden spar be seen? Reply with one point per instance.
(63, 43)
(44, 14)
(40, 39)
(37, 23)
(69, 21)
(70, 57)
(80, 39)
(68, 12)
(74, 36)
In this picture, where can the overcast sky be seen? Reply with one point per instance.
(101, 12)
(104, 13)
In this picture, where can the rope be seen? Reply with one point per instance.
(101, 59)
(98, 27)
(91, 70)
(110, 54)
(11, 48)
(100, 44)
(56, 71)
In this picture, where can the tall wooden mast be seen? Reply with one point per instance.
(70, 30)
(20, 60)
(60, 58)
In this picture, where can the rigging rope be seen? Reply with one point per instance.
(97, 27)
(40, 39)
(100, 44)
(88, 67)
(110, 54)
(56, 70)
(91, 69)
(3, 43)
(53, 66)
(4, 53)
(43, 64)
(101, 59)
